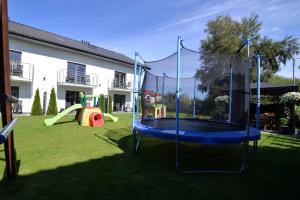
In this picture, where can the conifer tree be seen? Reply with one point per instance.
(36, 108)
(52, 107)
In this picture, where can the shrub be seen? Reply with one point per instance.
(36, 108)
(52, 107)
(283, 121)
(140, 106)
(102, 103)
(290, 97)
(224, 98)
(110, 104)
(297, 116)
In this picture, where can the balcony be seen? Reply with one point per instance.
(21, 72)
(121, 85)
(75, 79)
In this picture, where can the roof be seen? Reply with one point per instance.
(274, 89)
(28, 32)
(151, 93)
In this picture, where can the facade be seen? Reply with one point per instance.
(151, 97)
(39, 59)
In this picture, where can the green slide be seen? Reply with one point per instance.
(113, 118)
(53, 120)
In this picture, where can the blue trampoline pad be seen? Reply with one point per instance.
(196, 131)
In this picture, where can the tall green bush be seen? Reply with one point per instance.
(110, 108)
(102, 103)
(140, 106)
(297, 117)
(52, 107)
(36, 108)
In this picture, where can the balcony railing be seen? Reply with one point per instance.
(20, 71)
(72, 78)
(121, 84)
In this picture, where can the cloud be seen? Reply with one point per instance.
(206, 10)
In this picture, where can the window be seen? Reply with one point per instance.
(76, 74)
(15, 56)
(120, 80)
(15, 91)
(16, 68)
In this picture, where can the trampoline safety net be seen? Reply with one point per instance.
(213, 87)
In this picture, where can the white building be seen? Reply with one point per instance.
(39, 59)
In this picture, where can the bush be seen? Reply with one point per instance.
(36, 108)
(290, 97)
(297, 117)
(283, 121)
(140, 106)
(52, 107)
(110, 109)
(102, 103)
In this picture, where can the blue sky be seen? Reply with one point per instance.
(151, 27)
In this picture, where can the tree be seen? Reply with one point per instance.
(36, 108)
(110, 105)
(52, 107)
(226, 36)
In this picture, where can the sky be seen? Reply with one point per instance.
(151, 27)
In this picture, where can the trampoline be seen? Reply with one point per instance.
(197, 131)
(195, 97)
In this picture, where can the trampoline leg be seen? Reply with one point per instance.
(134, 141)
(255, 148)
(177, 165)
(243, 168)
(245, 157)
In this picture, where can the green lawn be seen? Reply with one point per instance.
(66, 161)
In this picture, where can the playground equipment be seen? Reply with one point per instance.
(90, 116)
(6, 134)
(87, 115)
(53, 120)
(203, 78)
(160, 111)
(156, 111)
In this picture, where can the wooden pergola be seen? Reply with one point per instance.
(270, 102)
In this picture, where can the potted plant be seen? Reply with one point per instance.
(283, 125)
(291, 99)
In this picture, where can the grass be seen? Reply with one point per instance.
(66, 161)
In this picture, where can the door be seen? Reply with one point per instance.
(119, 102)
(72, 97)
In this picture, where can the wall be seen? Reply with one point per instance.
(48, 61)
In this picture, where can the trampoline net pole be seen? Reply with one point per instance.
(138, 91)
(249, 80)
(133, 91)
(194, 99)
(230, 93)
(258, 91)
(163, 95)
(177, 101)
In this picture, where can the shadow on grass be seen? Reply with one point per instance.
(65, 122)
(150, 174)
